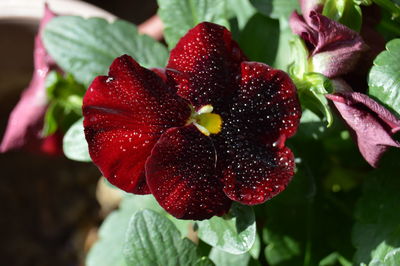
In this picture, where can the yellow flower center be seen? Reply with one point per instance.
(206, 121)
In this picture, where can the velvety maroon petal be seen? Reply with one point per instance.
(334, 48)
(204, 65)
(182, 176)
(254, 173)
(251, 147)
(372, 125)
(125, 114)
(300, 27)
(26, 120)
(267, 105)
(338, 49)
(311, 5)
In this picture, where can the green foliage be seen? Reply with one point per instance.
(152, 239)
(284, 243)
(220, 257)
(234, 233)
(384, 77)
(240, 11)
(377, 231)
(334, 259)
(181, 15)
(259, 38)
(276, 8)
(65, 103)
(312, 90)
(86, 47)
(284, 54)
(392, 6)
(300, 225)
(311, 126)
(108, 249)
(74, 143)
(204, 261)
(347, 12)
(311, 86)
(299, 57)
(363, 2)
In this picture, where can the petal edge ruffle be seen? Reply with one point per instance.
(204, 65)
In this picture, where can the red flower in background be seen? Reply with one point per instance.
(208, 129)
(334, 48)
(371, 124)
(25, 125)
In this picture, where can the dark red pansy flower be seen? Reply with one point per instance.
(208, 129)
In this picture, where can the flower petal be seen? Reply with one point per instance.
(267, 106)
(372, 125)
(181, 175)
(338, 49)
(204, 64)
(26, 119)
(311, 5)
(300, 27)
(253, 173)
(256, 165)
(334, 48)
(125, 114)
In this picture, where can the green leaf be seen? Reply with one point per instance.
(181, 15)
(204, 261)
(65, 89)
(240, 12)
(391, 259)
(284, 240)
(50, 125)
(283, 57)
(292, 220)
(363, 2)
(311, 126)
(220, 257)
(74, 143)
(152, 239)
(108, 249)
(65, 102)
(276, 8)
(149, 202)
(377, 230)
(234, 234)
(384, 77)
(334, 259)
(280, 248)
(299, 56)
(86, 47)
(391, 6)
(312, 89)
(347, 12)
(256, 248)
(259, 39)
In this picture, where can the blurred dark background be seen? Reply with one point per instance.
(48, 204)
(135, 11)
